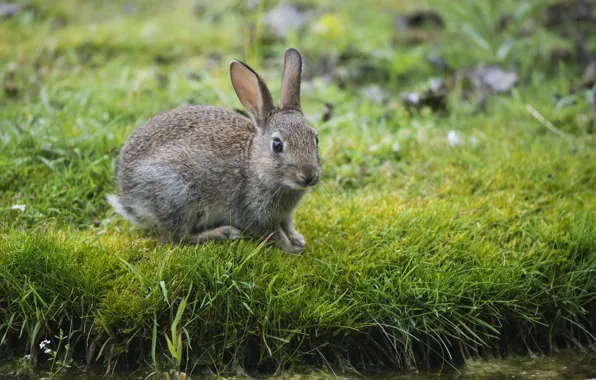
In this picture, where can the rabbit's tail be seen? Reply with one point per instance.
(116, 203)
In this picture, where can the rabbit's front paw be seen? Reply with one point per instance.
(297, 239)
(286, 243)
(292, 249)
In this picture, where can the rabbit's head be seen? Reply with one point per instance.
(285, 148)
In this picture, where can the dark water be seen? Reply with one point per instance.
(563, 366)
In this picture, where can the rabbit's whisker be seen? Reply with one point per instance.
(329, 158)
(326, 193)
(332, 186)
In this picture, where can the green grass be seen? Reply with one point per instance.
(422, 256)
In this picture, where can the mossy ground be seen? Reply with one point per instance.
(420, 251)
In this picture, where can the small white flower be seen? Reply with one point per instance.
(27, 357)
(395, 147)
(43, 344)
(454, 138)
(47, 351)
(18, 207)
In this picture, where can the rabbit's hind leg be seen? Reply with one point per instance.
(135, 211)
(216, 234)
(166, 199)
(174, 220)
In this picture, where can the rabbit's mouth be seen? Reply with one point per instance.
(307, 176)
(302, 183)
(307, 181)
(302, 177)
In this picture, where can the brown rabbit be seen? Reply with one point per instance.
(203, 173)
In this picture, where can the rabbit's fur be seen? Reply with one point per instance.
(207, 173)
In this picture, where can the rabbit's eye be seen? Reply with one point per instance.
(317, 140)
(277, 145)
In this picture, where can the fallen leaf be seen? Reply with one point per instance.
(8, 9)
(284, 19)
(493, 78)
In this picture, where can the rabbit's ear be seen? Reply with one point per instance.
(252, 91)
(290, 84)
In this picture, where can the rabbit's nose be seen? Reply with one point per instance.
(309, 173)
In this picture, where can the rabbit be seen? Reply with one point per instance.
(202, 173)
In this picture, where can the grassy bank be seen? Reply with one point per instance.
(435, 236)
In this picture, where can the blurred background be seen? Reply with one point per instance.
(178, 51)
